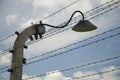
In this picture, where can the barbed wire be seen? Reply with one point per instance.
(67, 46)
(93, 74)
(65, 52)
(76, 67)
(63, 29)
(7, 38)
(6, 67)
(74, 43)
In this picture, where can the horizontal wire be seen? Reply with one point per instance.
(66, 46)
(64, 52)
(93, 74)
(58, 32)
(6, 38)
(74, 43)
(76, 67)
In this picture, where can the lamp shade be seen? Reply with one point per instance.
(84, 26)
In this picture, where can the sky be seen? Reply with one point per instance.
(16, 15)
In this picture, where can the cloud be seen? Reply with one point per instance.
(112, 75)
(11, 18)
(46, 3)
(26, 76)
(106, 76)
(55, 76)
(79, 74)
(59, 75)
(43, 3)
(5, 60)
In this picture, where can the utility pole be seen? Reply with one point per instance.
(18, 49)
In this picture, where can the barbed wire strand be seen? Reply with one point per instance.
(90, 43)
(76, 67)
(66, 46)
(93, 74)
(75, 43)
(65, 52)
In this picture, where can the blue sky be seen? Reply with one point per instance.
(17, 15)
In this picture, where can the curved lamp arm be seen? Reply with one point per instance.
(66, 23)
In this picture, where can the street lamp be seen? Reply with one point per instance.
(82, 26)
(38, 30)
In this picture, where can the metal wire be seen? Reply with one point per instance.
(66, 46)
(74, 43)
(93, 74)
(65, 52)
(76, 67)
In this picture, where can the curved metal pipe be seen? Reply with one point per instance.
(66, 23)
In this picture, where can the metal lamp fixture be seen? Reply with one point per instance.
(82, 26)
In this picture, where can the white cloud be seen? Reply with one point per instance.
(112, 75)
(11, 18)
(106, 76)
(43, 3)
(79, 74)
(26, 76)
(49, 76)
(5, 60)
(47, 3)
(57, 75)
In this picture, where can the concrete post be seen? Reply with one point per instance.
(17, 56)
